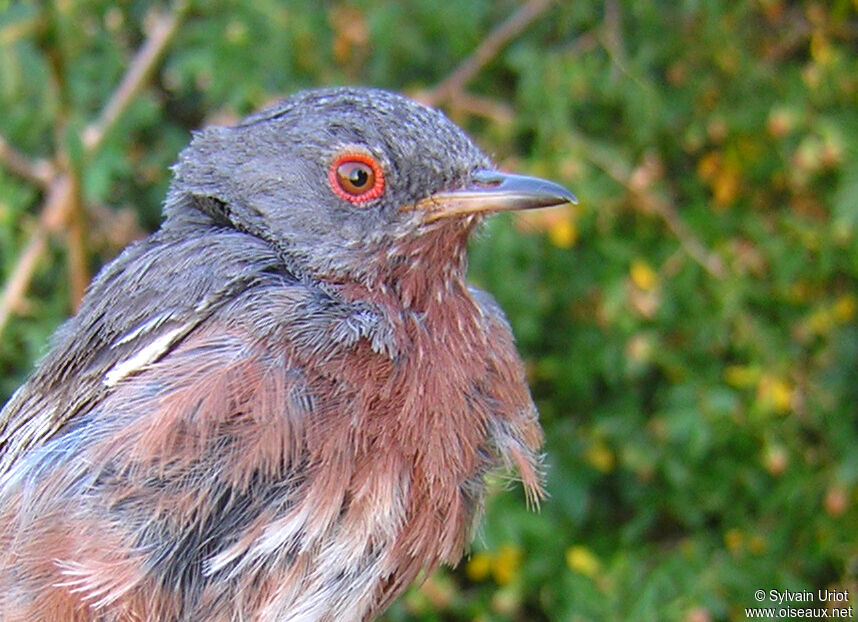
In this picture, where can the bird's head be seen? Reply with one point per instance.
(346, 183)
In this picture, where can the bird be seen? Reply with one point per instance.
(284, 403)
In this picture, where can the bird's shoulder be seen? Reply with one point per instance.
(155, 294)
(489, 307)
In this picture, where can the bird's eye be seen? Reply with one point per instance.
(356, 177)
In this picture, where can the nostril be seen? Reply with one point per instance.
(487, 179)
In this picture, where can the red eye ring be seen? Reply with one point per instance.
(356, 177)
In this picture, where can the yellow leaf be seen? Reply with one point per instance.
(643, 276)
(709, 165)
(775, 394)
(741, 376)
(600, 457)
(821, 322)
(506, 563)
(757, 544)
(479, 566)
(583, 561)
(844, 308)
(734, 539)
(820, 48)
(725, 186)
(563, 234)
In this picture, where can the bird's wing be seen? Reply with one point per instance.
(139, 307)
(189, 472)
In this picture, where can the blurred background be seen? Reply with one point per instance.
(689, 329)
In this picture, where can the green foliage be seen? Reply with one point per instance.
(689, 330)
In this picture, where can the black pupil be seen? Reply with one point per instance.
(358, 176)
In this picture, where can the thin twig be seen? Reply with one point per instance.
(16, 287)
(612, 27)
(39, 172)
(161, 33)
(584, 42)
(664, 208)
(505, 32)
(76, 237)
(709, 259)
(50, 221)
(62, 194)
(497, 111)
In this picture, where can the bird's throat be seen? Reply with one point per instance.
(421, 271)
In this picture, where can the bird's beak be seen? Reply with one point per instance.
(493, 191)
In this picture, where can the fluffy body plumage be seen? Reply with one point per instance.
(280, 406)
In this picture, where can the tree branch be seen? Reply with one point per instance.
(60, 195)
(161, 33)
(63, 197)
(39, 172)
(497, 111)
(496, 40)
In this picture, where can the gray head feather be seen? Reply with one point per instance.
(268, 175)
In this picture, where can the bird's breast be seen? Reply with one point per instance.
(415, 430)
(309, 480)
